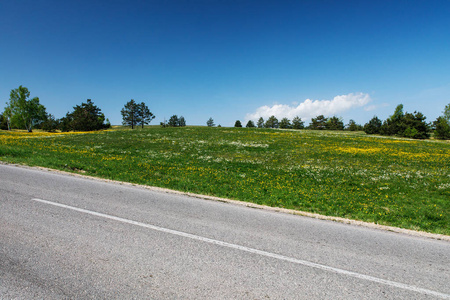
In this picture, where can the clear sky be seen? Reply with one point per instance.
(229, 60)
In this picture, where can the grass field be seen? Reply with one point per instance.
(390, 181)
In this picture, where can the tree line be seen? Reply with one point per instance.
(174, 121)
(21, 112)
(404, 124)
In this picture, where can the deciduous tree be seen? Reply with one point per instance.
(24, 112)
(442, 128)
(173, 121)
(238, 123)
(446, 112)
(182, 121)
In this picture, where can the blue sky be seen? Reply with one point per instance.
(229, 60)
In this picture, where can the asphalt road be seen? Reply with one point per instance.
(66, 237)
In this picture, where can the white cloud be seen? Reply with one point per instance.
(310, 109)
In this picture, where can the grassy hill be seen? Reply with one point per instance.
(391, 181)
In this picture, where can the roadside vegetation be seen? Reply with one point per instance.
(382, 179)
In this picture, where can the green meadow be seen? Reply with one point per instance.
(386, 180)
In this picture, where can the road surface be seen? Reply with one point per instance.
(66, 237)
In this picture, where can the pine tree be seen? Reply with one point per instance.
(285, 123)
(86, 117)
(250, 124)
(297, 123)
(260, 123)
(130, 114)
(210, 122)
(145, 116)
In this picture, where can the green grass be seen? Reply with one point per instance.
(390, 181)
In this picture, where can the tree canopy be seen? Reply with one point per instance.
(260, 123)
(334, 123)
(22, 112)
(130, 114)
(410, 125)
(318, 123)
(250, 124)
(210, 122)
(145, 116)
(373, 126)
(85, 117)
(297, 123)
(272, 122)
(136, 114)
(173, 121)
(285, 123)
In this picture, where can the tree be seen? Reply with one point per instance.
(50, 124)
(145, 116)
(130, 114)
(394, 125)
(65, 123)
(334, 123)
(352, 126)
(25, 113)
(272, 122)
(4, 122)
(318, 123)
(416, 127)
(285, 123)
(410, 125)
(237, 124)
(297, 123)
(260, 123)
(182, 122)
(250, 124)
(210, 122)
(173, 121)
(7, 115)
(373, 126)
(446, 113)
(442, 128)
(86, 117)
